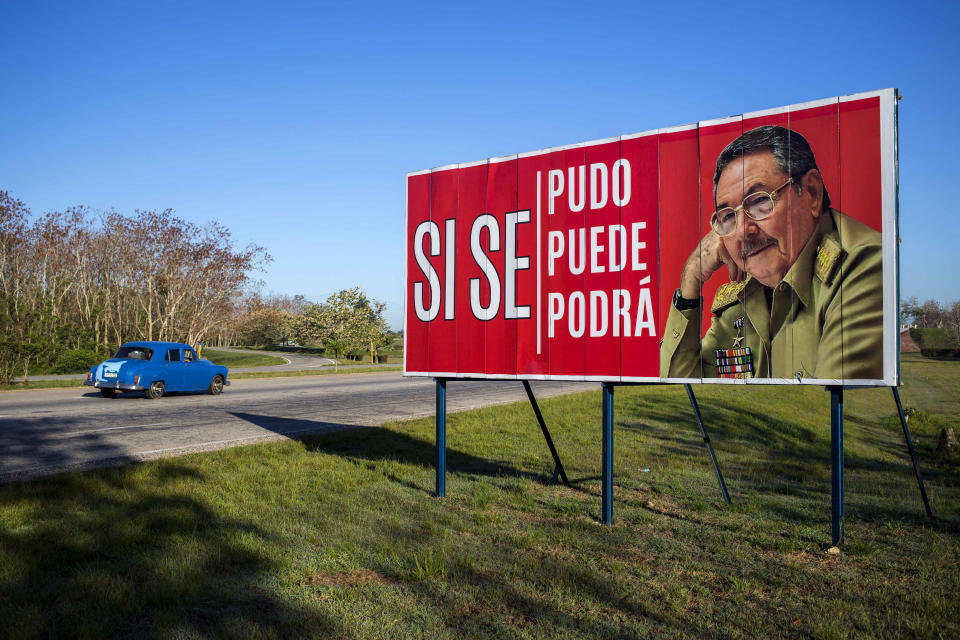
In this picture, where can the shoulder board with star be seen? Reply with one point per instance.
(727, 295)
(828, 259)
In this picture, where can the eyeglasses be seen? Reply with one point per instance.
(756, 206)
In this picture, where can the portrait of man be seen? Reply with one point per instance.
(806, 287)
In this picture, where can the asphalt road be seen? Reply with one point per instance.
(51, 430)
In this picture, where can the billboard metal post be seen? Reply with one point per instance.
(913, 454)
(706, 441)
(638, 218)
(558, 466)
(836, 459)
(606, 495)
(441, 437)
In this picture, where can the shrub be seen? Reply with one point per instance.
(934, 338)
(75, 361)
(940, 353)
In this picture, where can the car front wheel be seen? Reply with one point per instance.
(155, 391)
(216, 385)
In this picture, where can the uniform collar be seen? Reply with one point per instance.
(800, 275)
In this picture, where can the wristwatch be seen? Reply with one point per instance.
(682, 304)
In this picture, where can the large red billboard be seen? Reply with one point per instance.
(753, 249)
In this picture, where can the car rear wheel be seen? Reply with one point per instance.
(155, 391)
(216, 385)
(109, 393)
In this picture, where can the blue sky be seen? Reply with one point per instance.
(294, 123)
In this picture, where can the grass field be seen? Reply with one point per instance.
(313, 372)
(339, 536)
(393, 351)
(43, 384)
(236, 359)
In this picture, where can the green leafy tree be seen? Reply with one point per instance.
(910, 311)
(347, 322)
(952, 323)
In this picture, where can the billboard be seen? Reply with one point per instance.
(753, 249)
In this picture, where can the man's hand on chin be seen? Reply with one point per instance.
(705, 260)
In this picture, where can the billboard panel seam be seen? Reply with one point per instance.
(641, 134)
(719, 121)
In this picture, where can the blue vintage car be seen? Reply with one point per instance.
(156, 368)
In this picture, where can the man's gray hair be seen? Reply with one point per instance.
(790, 149)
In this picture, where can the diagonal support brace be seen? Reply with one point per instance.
(558, 468)
(913, 454)
(706, 441)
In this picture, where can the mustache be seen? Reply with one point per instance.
(752, 246)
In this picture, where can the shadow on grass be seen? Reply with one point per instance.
(501, 607)
(374, 444)
(787, 455)
(506, 588)
(733, 425)
(122, 554)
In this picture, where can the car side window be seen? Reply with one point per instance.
(189, 355)
(173, 355)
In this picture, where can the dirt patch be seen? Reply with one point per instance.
(805, 559)
(665, 505)
(347, 579)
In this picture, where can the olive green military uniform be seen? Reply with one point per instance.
(824, 320)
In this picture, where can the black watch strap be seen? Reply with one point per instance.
(683, 304)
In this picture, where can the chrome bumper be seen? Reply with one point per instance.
(106, 384)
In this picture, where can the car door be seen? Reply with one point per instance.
(194, 371)
(174, 370)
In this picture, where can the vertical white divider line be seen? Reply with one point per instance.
(539, 349)
(449, 275)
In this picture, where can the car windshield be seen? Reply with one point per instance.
(135, 353)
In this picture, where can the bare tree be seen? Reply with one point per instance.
(78, 280)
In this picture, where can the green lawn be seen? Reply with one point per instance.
(395, 355)
(236, 359)
(42, 384)
(313, 372)
(339, 536)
